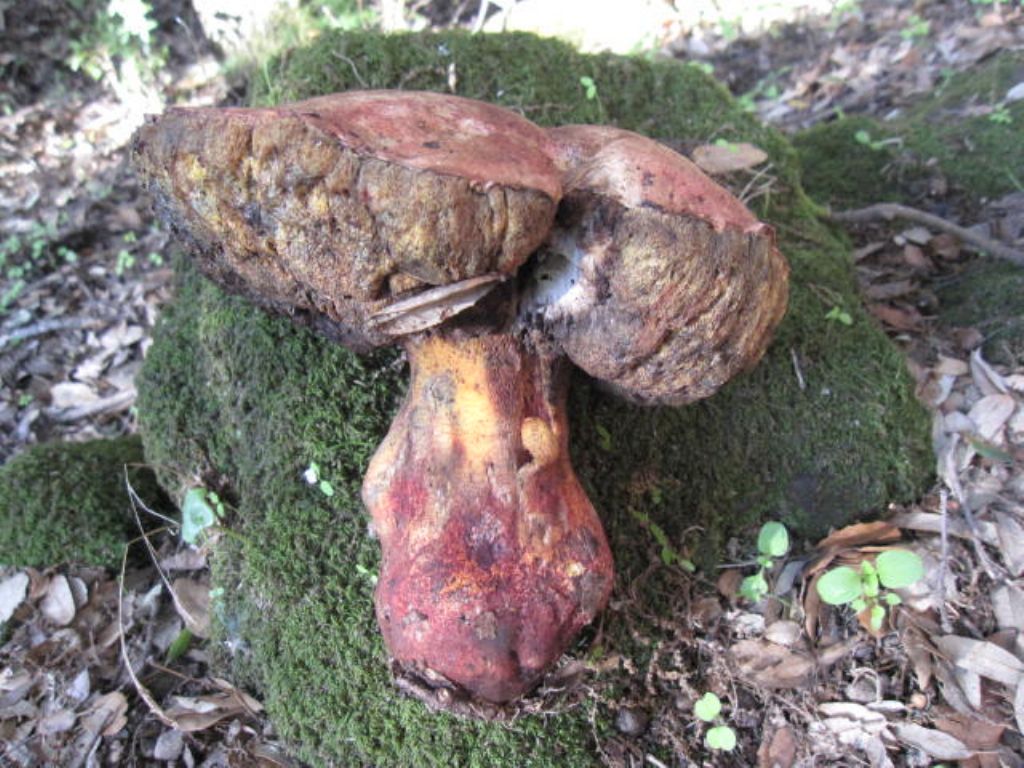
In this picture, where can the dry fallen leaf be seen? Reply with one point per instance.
(107, 714)
(12, 594)
(192, 601)
(986, 378)
(785, 633)
(936, 744)
(897, 318)
(982, 658)
(975, 732)
(1011, 541)
(68, 394)
(59, 603)
(779, 751)
(858, 534)
(716, 159)
(990, 414)
(771, 665)
(1008, 607)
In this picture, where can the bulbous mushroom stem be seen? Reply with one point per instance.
(493, 556)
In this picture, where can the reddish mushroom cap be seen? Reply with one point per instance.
(337, 206)
(656, 280)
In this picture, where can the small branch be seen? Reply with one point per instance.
(50, 325)
(116, 403)
(890, 211)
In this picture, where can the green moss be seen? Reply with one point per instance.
(952, 131)
(842, 171)
(989, 295)
(67, 502)
(248, 401)
(980, 155)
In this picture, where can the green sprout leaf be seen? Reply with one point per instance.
(196, 515)
(838, 315)
(773, 540)
(589, 86)
(754, 587)
(604, 437)
(326, 488)
(721, 737)
(840, 586)
(898, 568)
(891, 598)
(179, 646)
(707, 707)
(877, 617)
(859, 604)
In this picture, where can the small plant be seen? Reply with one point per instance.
(708, 708)
(863, 137)
(772, 542)
(1001, 115)
(200, 510)
(312, 477)
(916, 28)
(589, 87)
(669, 555)
(861, 588)
(704, 66)
(125, 261)
(839, 315)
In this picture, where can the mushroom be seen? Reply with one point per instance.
(491, 250)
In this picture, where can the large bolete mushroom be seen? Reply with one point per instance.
(490, 249)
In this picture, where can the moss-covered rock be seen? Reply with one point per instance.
(249, 401)
(67, 502)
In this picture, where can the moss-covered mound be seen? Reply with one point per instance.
(964, 130)
(67, 502)
(850, 163)
(824, 430)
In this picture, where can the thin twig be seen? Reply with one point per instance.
(947, 626)
(116, 403)
(796, 369)
(49, 325)
(890, 211)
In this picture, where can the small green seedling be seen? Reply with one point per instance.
(200, 510)
(839, 315)
(312, 476)
(772, 542)
(669, 555)
(861, 588)
(708, 708)
(589, 87)
(916, 28)
(1001, 115)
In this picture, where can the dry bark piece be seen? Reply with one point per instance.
(655, 280)
(385, 216)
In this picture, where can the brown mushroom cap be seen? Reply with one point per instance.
(655, 279)
(336, 207)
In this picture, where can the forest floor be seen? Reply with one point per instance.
(85, 272)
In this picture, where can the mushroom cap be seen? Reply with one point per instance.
(336, 208)
(655, 279)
